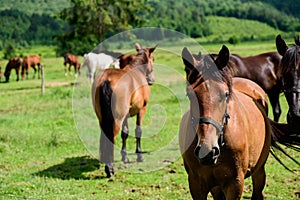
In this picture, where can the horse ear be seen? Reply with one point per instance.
(137, 46)
(152, 49)
(223, 57)
(198, 56)
(188, 61)
(281, 45)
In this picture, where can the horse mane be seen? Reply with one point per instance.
(291, 59)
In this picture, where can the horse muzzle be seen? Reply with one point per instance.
(150, 80)
(210, 158)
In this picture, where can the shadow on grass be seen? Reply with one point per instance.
(73, 168)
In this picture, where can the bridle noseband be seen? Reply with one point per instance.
(219, 127)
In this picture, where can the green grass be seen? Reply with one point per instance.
(42, 155)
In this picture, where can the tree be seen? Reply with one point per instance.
(93, 20)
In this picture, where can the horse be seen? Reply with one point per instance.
(13, 63)
(31, 61)
(127, 58)
(72, 60)
(290, 73)
(226, 135)
(118, 94)
(263, 70)
(101, 61)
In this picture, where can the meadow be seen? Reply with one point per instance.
(48, 143)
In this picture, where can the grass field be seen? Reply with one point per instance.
(48, 143)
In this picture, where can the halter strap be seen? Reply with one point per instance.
(219, 127)
(293, 89)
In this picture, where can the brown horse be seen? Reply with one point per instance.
(127, 58)
(72, 60)
(226, 135)
(117, 95)
(31, 61)
(13, 63)
(290, 72)
(263, 70)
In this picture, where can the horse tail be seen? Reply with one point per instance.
(284, 135)
(107, 122)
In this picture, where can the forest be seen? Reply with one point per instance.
(40, 22)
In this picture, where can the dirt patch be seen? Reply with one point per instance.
(55, 84)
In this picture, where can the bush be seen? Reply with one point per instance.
(9, 51)
(233, 40)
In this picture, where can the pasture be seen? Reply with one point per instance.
(44, 154)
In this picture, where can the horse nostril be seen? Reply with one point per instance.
(196, 151)
(216, 152)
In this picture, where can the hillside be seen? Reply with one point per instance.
(224, 28)
(31, 22)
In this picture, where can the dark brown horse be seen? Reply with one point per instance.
(72, 60)
(263, 70)
(290, 72)
(13, 63)
(225, 137)
(117, 95)
(31, 61)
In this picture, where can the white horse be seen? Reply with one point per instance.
(101, 61)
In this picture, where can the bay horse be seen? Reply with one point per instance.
(290, 73)
(263, 70)
(118, 94)
(72, 60)
(13, 63)
(101, 61)
(28, 62)
(225, 136)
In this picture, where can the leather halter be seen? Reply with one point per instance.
(219, 127)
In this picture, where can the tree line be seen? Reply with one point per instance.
(82, 24)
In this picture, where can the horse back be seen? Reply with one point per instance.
(32, 60)
(261, 68)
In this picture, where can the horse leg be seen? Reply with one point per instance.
(124, 135)
(138, 134)
(65, 67)
(274, 100)
(34, 68)
(70, 66)
(234, 189)
(198, 190)
(217, 193)
(17, 73)
(107, 153)
(258, 182)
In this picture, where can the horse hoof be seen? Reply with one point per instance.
(140, 158)
(125, 160)
(109, 170)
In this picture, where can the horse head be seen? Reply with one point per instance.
(145, 58)
(209, 89)
(290, 76)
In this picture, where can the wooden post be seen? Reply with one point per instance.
(42, 78)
